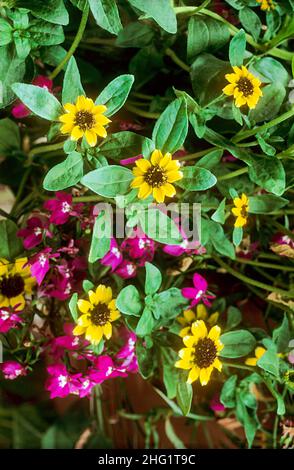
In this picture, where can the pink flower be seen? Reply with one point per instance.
(40, 264)
(128, 353)
(130, 161)
(9, 319)
(282, 239)
(185, 247)
(198, 292)
(61, 383)
(62, 208)
(216, 405)
(58, 346)
(126, 270)
(139, 247)
(34, 232)
(114, 256)
(103, 369)
(12, 369)
(19, 110)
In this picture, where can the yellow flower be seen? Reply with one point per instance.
(266, 5)
(189, 317)
(241, 210)
(97, 315)
(244, 86)
(200, 355)
(155, 176)
(15, 282)
(259, 352)
(84, 118)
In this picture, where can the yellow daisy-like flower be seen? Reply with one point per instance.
(266, 5)
(155, 176)
(241, 210)
(259, 352)
(244, 86)
(15, 281)
(200, 355)
(97, 315)
(189, 317)
(84, 118)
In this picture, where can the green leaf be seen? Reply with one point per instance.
(266, 203)
(237, 48)
(265, 147)
(5, 32)
(269, 104)
(170, 433)
(168, 304)
(39, 100)
(9, 136)
(53, 11)
(22, 47)
(115, 93)
(196, 178)
(135, 34)
(227, 396)
(205, 34)
(282, 335)
(100, 243)
(108, 181)
(249, 421)
(234, 317)
(251, 22)
(211, 159)
(106, 15)
(171, 128)
(65, 174)
(269, 173)
(122, 145)
(128, 301)
(237, 343)
(170, 377)
(146, 323)
(88, 285)
(146, 359)
(72, 305)
(237, 235)
(214, 232)
(219, 214)
(184, 396)
(269, 362)
(270, 70)
(12, 69)
(72, 87)
(153, 279)
(159, 226)
(145, 65)
(11, 245)
(45, 34)
(162, 12)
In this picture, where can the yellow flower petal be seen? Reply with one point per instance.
(76, 133)
(156, 157)
(259, 352)
(251, 361)
(201, 312)
(84, 320)
(94, 334)
(214, 333)
(158, 194)
(79, 330)
(193, 375)
(114, 315)
(137, 182)
(229, 89)
(217, 364)
(169, 189)
(205, 375)
(144, 191)
(84, 306)
(107, 330)
(91, 137)
(189, 315)
(174, 175)
(199, 329)
(143, 164)
(182, 364)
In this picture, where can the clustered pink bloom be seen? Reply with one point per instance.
(40, 263)
(12, 369)
(9, 318)
(36, 229)
(216, 405)
(198, 293)
(19, 110)
(191, 248)
(62, 207)
(134, 252)
(62, 381)
(282, 239)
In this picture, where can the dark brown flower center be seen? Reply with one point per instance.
(155, 176)
(85, 120)
(100, 314)
(12, 286)
(245, 86)
(205, 353)
(244, 211)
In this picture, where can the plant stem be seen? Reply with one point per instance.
(234, 174)
(169, 52)
(265, 265)
(140, 112)
(43, 149)
(237, 366)
(193, 156)
(87, 199)
(75, 43)
(253, 282)
(243, 135)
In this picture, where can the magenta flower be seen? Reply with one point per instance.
(127, 354)
(9, 319)
(103, 369)
(130, 161)
(139, 247)
(126, 270)
(58, 346)
(198, 292)
(12, 369)
(36, 228)
(185, 247)
(114, 256)
(216, 405)
(61, 383)
(62, 208)
(19, 110)
(40, 264)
